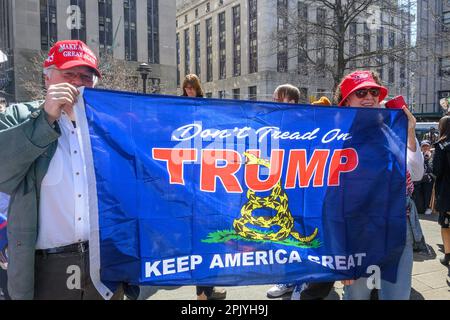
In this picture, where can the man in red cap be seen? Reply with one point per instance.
(70, 64)
(43, 171)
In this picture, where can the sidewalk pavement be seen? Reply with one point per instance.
(431, 280)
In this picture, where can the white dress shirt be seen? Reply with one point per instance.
(414, 161)
(63, 207)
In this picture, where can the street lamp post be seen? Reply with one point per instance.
(144, 69)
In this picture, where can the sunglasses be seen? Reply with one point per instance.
(361, 93)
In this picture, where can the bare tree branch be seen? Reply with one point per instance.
(335, 44)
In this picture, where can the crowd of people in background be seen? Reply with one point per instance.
(35, 266)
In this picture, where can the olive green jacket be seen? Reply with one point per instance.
(27, 143)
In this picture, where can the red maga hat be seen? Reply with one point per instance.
(359, 80)
(71, 53)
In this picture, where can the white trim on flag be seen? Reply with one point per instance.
(94, 235)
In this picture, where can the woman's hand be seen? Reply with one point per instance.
(411, 129)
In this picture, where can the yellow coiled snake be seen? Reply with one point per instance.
(278, 201)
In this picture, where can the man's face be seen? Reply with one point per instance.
(425, 148)
(77, 76)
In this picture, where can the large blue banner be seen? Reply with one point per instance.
(221, 192)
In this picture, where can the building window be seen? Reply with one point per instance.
(105, 26)
(353, 44)
(302, 11)
(208, 95)
(78, 31)
(380, 38)
(222, 47)
(321, 58)
(282, 50)
(198, 70)
(252, 93)
(49, 34)
(153, 31)
(446, 20)
(321, 15)
(253, 35)
(185, 19)
(187, 52)
(178, 58)
(391, 72)
(237, 41)
(302, 58)
(130, 30)
(379, 61)
(391, 39)
(366, 44)
(209, 58)
(196, 13)
(303, 95)
(444, 67)
(402, 74)
(208, 8)
(236, 94)
(221, 94)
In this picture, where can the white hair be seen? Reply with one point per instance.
(49, 70)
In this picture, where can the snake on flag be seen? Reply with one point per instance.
(278, 201)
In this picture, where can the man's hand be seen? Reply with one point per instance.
(59, 96)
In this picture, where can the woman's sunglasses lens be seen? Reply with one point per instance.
(375, 92)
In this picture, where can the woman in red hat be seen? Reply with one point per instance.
(364, 89)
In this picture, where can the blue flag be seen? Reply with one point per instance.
(188, 191)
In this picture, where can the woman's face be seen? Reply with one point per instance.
(277, 98)
(190, 91)
(364, 98)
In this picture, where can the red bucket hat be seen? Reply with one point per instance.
(359, 80)
(71, 53)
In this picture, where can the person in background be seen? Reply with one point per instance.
(424, 188)
(285, 93)
(300, 290)
(431, 136)
(192, 88)
(441, 169)
(313, 290)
